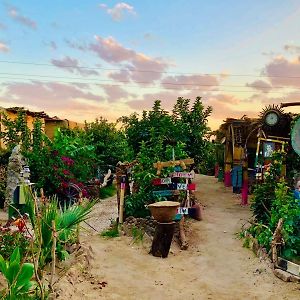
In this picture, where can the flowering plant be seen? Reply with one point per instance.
(13, 235)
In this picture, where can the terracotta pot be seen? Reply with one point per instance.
(164, 211)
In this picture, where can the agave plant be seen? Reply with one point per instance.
(66, 220)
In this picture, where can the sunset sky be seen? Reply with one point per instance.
(84, 59)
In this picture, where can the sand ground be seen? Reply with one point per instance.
(215, 266)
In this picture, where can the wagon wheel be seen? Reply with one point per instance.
(72, 193)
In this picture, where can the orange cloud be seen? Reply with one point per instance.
(3, 47)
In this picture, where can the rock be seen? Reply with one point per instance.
(15, 166)
(295, 279)
(285, 276)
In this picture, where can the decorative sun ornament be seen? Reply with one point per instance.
(271, 115)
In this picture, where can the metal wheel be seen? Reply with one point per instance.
(71, 193)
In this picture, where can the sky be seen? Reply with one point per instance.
(84, 59)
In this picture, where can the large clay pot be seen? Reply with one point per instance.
(164, 211)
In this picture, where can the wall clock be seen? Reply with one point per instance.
(271, 116)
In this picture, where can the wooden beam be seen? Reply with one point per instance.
(172, 163)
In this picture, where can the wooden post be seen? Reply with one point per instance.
(183, 242)
(54, 236)
(122, 196)
(162, 239)
(276, 240)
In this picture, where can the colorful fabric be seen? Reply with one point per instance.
(237, 176)
(297, 194)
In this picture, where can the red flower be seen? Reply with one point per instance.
(64, 184)
(66, 172)
(20, 223)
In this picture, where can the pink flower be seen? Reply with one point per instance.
(67, 160)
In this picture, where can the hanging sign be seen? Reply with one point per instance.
(183, 174)
(165, 193)
(192, 186)
(184, 186)
(159, 181)
(181, 186)
(183, 210)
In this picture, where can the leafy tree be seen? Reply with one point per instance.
(16, 131)
(185, 124)
(110, 143)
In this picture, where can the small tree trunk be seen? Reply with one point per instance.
(183, 242)
(162, 239)
(54, 236)
(276, 240)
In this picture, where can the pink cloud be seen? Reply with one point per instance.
(118, 11)
(204, 82)
(260, 85)
(72, 65)
(116, 93)
(122, 75)
(281, 72)
(289, 97)
(15, 14)
(3, 47)
(46, 95)
(2, 26)
(111, 51)
(139, 67)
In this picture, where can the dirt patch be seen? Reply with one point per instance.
(215, 266)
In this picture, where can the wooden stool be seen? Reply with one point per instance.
(162, 239)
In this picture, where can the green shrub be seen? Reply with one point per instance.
(111, 232)
(107, 191)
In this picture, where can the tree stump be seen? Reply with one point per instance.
(162, 239)
(183, 242)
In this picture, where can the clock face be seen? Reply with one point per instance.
(271, 118)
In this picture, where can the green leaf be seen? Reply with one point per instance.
(12, 272)
(24, 277)
(3, 265)
(15, 257)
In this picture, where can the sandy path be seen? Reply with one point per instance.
(215, 266)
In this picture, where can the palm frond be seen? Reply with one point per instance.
(74, 215)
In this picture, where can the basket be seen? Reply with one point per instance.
(164, 211)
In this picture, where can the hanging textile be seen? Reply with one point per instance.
(237, 176)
